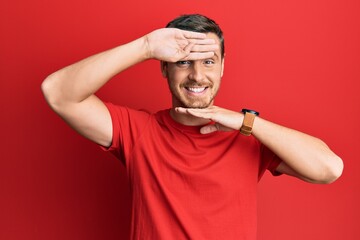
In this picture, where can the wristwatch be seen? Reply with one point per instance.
(247, 125)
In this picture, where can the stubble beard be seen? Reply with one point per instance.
(186, 102)
(196, 103)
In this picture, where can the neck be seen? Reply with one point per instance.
(187, 119)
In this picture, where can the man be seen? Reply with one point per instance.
(193, 168)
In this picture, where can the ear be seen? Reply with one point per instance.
(163, 66)
(222, 65)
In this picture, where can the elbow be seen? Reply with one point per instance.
(333, 171)
(45, 88)
(337, 170)
(49, 90)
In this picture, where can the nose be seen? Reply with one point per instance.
(196, 72)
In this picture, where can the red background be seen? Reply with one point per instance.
(295, 61)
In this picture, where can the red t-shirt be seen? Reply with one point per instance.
(186, 185)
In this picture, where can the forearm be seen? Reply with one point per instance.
(304, 156)
(78, 81)
(308, 156)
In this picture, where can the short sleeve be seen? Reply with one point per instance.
(268, 161)
(127, 126)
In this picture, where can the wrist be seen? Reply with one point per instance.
(146, 47)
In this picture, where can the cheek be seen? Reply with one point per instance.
(176, 77)
(215, 75)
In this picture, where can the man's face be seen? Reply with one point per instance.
(194, 84)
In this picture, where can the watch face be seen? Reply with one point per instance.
(250, 111)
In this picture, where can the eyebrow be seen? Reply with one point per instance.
(216, 55)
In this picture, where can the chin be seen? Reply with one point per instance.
(182, 101)
(197, 104)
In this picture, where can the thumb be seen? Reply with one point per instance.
(209, 128)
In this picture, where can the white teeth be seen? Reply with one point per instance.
(196, 90)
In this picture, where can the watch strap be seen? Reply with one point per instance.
(248, 122)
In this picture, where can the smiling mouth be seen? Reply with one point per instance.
(196, 89)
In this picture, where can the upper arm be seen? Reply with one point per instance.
(90, 118)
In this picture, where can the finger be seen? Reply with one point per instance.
(187, 50)
(205, 48)
(209, 110)
(195, 35)
(213, 128)
(199, 55)
(181, 110)
(205, 41)
(201, 113)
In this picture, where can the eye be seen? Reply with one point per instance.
(209, 62)
(183, 63)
